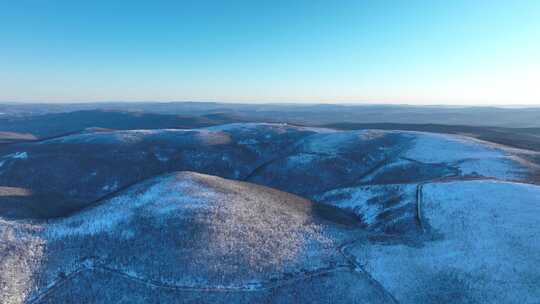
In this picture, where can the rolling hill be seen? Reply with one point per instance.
(266, 213)
(248, 242)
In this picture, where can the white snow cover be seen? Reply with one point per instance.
(253, 126)
(395, 164)
(21, 250)
(20, 155)
(486, 240)
(162, 158)
(157, 199)
(202, 136)
(333, 142)
(16, 155)
(469, 155)
(242, 232)
(438, 148)
(502, 168)
(357, 199)
(184, 196)
(113, 137)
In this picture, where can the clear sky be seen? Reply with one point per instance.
(418, 52)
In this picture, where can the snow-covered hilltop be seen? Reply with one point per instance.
(188, 233)
(269, 213)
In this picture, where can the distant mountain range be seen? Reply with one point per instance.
(316, 114)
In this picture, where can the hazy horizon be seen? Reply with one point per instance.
(463, 53)
(284, 103)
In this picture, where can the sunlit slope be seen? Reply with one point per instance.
(192, 236)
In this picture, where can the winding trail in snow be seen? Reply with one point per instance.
(351, 265)
(259, 286)
(357, 267)
(53, 286)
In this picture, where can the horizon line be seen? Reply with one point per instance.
(278, 103)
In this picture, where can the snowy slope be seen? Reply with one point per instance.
(389, 208)
(189, 232)
(481, 245)
(470, 156)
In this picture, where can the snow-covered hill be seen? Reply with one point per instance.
(67, 173)
(364, 217)
(480, 245)
(187, 233)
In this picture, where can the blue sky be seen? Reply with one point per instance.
(418, 52)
